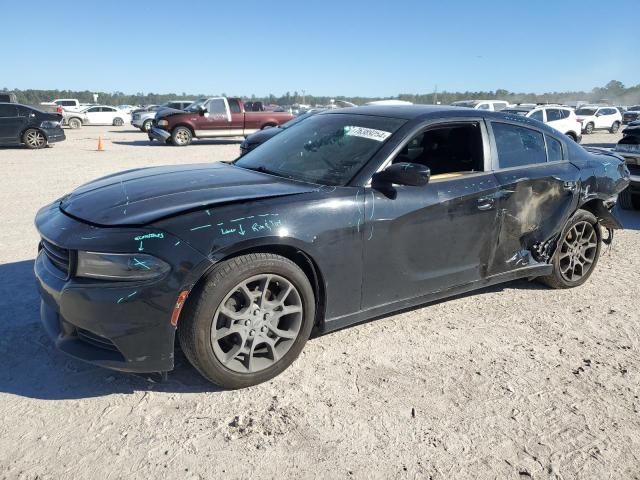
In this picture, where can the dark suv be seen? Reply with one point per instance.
(21, 124)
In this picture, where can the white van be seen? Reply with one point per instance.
(493, 105)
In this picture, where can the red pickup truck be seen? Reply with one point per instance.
(211, 118)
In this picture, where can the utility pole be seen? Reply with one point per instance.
(435, 95)
(303, 97)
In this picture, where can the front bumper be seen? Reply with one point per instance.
(123, 326)
(159, 134)
(54, 134)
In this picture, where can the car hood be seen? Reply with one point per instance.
(138, 197)
(167, 112)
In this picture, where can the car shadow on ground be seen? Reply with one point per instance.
(146, 142)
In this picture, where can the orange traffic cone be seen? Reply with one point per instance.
(100, 144)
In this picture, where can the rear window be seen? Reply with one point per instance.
(586, 111)
(8, 111)
(554, 149)
(518, 146)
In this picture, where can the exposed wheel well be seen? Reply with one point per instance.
(300, 258)
(572, 135)
(268, 124)
(186, 125)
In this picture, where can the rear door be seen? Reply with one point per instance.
(537, 193)
(236, 126)
(215, 120)
(11, 123)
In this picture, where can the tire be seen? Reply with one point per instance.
(118, 122)
(588, 129)
(181, 136)
(214, 343)
(572, 136)
(268, 125)
(146, 125)
(579, 244)
(615, 127)
(627, 201)
(34, 139)
(74, 123)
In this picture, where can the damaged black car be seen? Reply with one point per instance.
(353, 214)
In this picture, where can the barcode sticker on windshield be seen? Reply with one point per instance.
(370, 133)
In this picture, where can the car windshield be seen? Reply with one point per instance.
(326, 149)
(469, 104)
(586, 111)
(195, 106)
(296, 120)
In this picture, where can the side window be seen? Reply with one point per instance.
(518, 146)
(537, 115)
(455, 148)
(234, 106)
(554, 149)
(94, 109)
(217, 107)
(484, 106)
(565, 113)
(553, 114)
(109, 109)
(7, 111)
(497, 106)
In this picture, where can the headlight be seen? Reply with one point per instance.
(120, 266)
(163, 123)
(49, 124)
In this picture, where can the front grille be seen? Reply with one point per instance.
(95, 340)
(58, 256)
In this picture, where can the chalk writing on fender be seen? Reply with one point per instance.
(241, 226)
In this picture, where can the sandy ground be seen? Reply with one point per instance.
(513, 382)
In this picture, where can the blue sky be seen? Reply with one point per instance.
(325, 47)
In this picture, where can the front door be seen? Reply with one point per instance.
(419, 240)
(215, 120)
(538, 193)
(11, 123)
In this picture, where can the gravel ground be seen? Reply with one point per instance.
(513, 382)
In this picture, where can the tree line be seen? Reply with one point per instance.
(614, 92)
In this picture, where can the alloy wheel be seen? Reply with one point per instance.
(35, 139)
(578, 251)
(256, 323)
(182, 137)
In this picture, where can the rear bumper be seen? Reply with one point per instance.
(54, 134)
(156, 133)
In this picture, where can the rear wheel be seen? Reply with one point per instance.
(33, 138)
(118, 122)
(181, 136)
(146, 125)
(588, 129)
(577, 252)
(628, 201)
(74, 123)
(249, 321)
(572, 136)
(615, 127)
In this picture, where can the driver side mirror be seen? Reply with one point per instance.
(403, 173)
(202, 110)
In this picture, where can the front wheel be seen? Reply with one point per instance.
(249, 321)
(33, 138)
(577, 252)
(615, 127)
(75, 123)
(588, 129)
(146, 125)
(118, 122)
(181, 136)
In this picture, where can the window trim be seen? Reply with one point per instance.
(424, 126)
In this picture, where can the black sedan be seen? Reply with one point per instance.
(258, 138)
(20, 124)
(351, 215)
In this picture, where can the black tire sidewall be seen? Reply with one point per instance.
(216, 289)
(146, 125)
(579, 216)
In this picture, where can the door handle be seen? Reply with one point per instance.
(486, 203)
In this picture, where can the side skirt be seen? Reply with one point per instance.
(395, 307)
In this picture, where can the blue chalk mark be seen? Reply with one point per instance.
(132, 294)
(177, 243)
(200, 227)
(140, 249)
(138, 263)
(220, 223)
(208, 213)
(237, 219)
(120, 299)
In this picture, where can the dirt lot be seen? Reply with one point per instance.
(517, 381)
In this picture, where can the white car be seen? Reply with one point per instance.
(68, 104)
(560, 117)
(493, 105)
(595, 117)
(106, 115)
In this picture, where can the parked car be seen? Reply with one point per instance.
(560, 117)
(629, 148)
(211, 118)
(68, 104)
(350, 215)
(105, 115)
(631, 115)
(21, 124)
(258, 138)
(492, 105)
(145, 108)
(74, 120)
(144, 119)
(593, 117)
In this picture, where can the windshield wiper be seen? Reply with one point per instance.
(268, 171)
